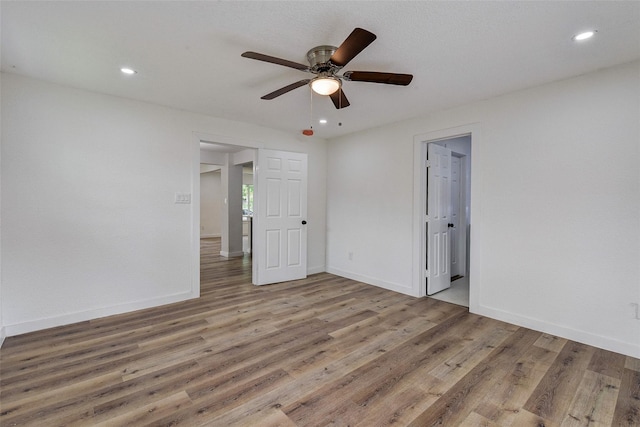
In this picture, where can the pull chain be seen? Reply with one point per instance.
(309, 132)
(310, 108)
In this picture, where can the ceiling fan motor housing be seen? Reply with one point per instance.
(318, 58)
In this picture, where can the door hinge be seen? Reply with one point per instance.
(428, 163)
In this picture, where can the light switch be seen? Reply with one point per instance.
(183, 198)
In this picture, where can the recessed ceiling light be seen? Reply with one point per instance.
(128, 71)
(584, 35)
(323, 121)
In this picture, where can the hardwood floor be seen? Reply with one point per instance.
(321, 351)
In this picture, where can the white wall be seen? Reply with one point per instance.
(2, 328)
(247, 177)
(556, 208)
(231, 185)
(90, 227)
(210, 204)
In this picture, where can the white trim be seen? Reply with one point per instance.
(231, 254)
(81, 316)
(599, 341)
(418, 189)
(195, 219)
(228, 140)
(475, 252)
(3, 335)
(396, 287)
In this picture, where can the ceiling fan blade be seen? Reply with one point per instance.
(339, 99)
(274, 60)
(375, 77)
(286, 89)
(353, 45)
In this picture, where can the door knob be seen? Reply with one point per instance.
(450, 225)
(304, 222)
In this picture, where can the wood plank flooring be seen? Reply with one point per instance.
(321, 351)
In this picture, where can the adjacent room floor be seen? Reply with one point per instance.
(457, 294)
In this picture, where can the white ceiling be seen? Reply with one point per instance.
(187, 54)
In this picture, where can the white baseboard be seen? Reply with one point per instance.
(231, 254)
(584, 337)
(208, 236)
(372, 281)
(67, 319)
(3, 335)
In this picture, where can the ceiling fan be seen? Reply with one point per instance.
(326, 61)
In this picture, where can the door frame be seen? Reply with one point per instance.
(419, 194)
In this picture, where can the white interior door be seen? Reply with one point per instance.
(438, 219)
(280, 211)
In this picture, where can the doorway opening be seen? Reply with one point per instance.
(276, 232)
(443, 215)
(226, 203)
(458, 220)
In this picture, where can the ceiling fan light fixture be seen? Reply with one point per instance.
(325, 85)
